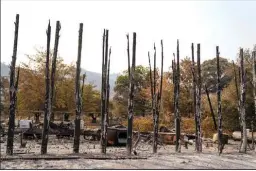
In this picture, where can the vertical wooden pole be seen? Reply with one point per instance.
(242, 104)
(254, 93)
(131, 96)
(12, 91)
(108, 86)
(54, 60)
(78, 95)
(102, 139)
(82, 92)
(176, 102)
(220, 145)
(16, 86)
(105, 94)
(198, 102)
(47, 110)
(128, 53)
(194, 92)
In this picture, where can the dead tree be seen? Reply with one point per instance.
(47, 109)
(254, 93)
(198, 102)
(194, 88)
(151, 83)
(154, 103)
(12, 91)
(78, 95)
(54, 60)
(242, 104)
(131, 96)
(176, 102)
(220, 145)
(210, 104)
(102, 140)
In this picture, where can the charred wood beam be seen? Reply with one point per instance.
(198, 102)
(108, 86)
(78, 93)
(243, 147)
(130, 100)
(54, 61)
(220, 145)
(176, 102)
(12, 91)
(102, 139)
(47, 111)
(194, 88)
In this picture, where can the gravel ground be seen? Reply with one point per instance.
(166, 158)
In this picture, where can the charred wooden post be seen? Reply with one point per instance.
(54, 60)
(47, 111)
(194, 89)
(254, 93)
(131, 96)
(12, 91)
(198, 102)
(105, 123)
(158, 104)
(108, 87)
(154, 105)
(176, 102)
(210, 104)
(102, 139)
(78, 95)
(128, 55)
(242, 104)
(82, 90)
(220, 145)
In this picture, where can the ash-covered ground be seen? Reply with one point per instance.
(166, 158)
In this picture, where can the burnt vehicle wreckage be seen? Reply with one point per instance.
(116, 134)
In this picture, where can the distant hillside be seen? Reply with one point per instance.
(91, 77)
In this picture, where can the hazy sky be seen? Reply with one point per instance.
(229, 24)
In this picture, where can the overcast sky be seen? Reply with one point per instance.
(229, 24)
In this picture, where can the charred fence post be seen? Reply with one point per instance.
(54, 60)
(220, 145)
(12, 91)
(194, 90)
(176, 102)
(102, 139)
(47, 110)
(242, 104)
(198, 102)
(131, 96)
(105, 94)
(254, 93)
(210, 104)
(78, 95)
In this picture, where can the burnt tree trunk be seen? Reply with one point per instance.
(176, 102)
(54, 60)
(131, 96)
(210, 104)
(12, 91)
(194, 89)
(242, 104)
(102, 139)
(128, 55)
(254, 93)
(47, 109)
(82, 91)
(151, 83)
(154, 105)
(198, 102)
(78, 95)
(220, 145)
(16, 87)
